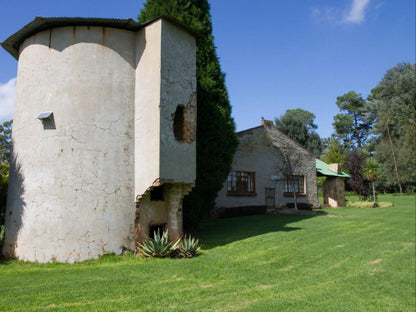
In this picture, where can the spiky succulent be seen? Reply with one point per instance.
(159, 246)
(189, 247)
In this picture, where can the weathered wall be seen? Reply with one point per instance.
(147, 107)
(260, 151)
(302, 162)
(164, 81)
(79, 183)
(334, 192)
(169, 162)
(178, 87)
(71, 183)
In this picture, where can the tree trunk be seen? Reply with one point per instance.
(374, 192)
(295, 198)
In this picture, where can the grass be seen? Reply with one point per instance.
(350, 259)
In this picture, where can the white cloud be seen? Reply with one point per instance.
(7, 93)
(356, 13)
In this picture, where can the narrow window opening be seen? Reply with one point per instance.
(178, 123)
(156, 194)
(154, 228)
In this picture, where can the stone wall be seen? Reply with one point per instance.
(334, 192)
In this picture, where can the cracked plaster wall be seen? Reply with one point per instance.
(76, 181)
(167, 161)
(73, 183)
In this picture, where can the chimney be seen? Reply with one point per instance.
(335, 167)
(267, 123)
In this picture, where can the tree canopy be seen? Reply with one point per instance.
(393, 108)
(299, 125)
(5, 153)
(352, 125)
(216, 137)
(5, 141)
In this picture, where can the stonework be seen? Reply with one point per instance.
(80, 179)
(334, 192)
(270, 155)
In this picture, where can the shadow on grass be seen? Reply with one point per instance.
(219, 232)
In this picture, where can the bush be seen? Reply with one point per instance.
(161, 247)
(158, 247)
(188, 248)
(369, 204)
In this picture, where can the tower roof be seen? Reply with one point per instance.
(12, 44)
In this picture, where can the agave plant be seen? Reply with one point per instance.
(189, 247)
(159, 246)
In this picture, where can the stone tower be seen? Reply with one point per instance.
(103, 135)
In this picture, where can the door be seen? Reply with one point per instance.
(270, 196)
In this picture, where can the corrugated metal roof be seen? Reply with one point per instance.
(323, 169)
(12, 44)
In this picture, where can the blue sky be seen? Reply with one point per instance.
(277, 55)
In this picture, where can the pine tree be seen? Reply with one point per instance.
(216, 138)
(352, 125)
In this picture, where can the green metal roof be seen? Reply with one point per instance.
(12, 44)
(323, 169)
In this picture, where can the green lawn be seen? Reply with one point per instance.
(351, 259)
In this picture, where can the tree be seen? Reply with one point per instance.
(355, 163)
(334, 152)
(371, 172)
(216, 137)
(299, 125)
(352, 125)
(5, 152)
(393, 107)
(5, 141)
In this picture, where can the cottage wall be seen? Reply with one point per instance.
(262, 150)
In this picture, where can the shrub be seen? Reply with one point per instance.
(369, 204)
(189, 247)
(159, 246)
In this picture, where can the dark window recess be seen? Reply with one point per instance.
(155, 228)
(156, 194)
(178, 123)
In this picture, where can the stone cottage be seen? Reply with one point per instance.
(268, 167)
(103, 135)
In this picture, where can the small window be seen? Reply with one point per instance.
(294, 183)
(156, 194)
(241, 183)
(178, 123)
